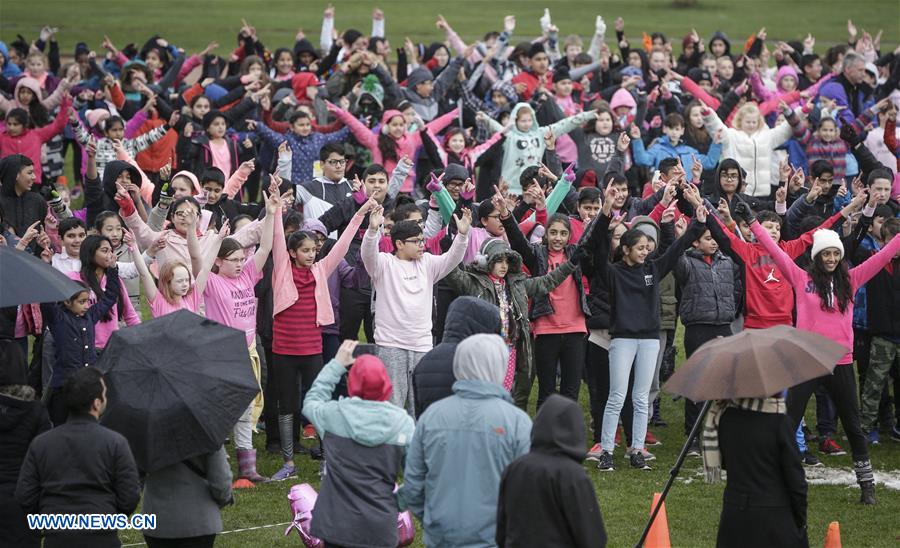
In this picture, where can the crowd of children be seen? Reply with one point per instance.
(303, 195)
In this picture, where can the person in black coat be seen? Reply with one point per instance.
(21, 420)
(546, 497)
(80, 467)
(20, 204)
(433, 377)
(764, 503)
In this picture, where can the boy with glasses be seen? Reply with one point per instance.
(403, 284)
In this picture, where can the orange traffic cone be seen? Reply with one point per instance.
(243, 484)
(658, 537)
(833, 537)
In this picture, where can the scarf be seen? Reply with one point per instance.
(709, 439)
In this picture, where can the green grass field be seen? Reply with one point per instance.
(193, 24)
(693, 507)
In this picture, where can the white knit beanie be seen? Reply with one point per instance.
(823, 239)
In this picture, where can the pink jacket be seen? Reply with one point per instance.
(29, 142)
(104, 329)
(284, 292)
(833, 324)
(50, 102)
(407, 145)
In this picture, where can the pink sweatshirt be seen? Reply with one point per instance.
(407, 145)
(404, 292)
(283, 289)
(833, 324)
(104, 329)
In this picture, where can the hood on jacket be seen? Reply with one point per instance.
(494, 250)
(9, 172)
(368, 379)
(506, 89)
(455, 172)
(314, 225)
(300, 82)
(30, 83)
(112, 171)
(646, 225)
(559, 428)
(784, 72)
(373, 423)
(719, 35)
(514, 116)
(417, 76)
(726, 164)
(195, 182)
(469, 316)
(305, 46)
(481, 357)
(622, 98)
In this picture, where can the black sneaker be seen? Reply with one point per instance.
(694, 449)
(808, 459)
(606, 464)
(638, 462)
(867, 495)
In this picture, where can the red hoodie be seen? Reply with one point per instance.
(770, 296)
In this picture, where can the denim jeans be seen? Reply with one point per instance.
(622, 354)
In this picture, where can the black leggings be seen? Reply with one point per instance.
(841, 386)
(597, 374)
(288, 369)
(694, 337)
(356, 308)
(567, 350)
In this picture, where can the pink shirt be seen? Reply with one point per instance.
(104, 329)
(567, 315)
(159, 306)
(232, 301)
(221, 156)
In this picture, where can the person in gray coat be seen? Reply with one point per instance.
(187, 498)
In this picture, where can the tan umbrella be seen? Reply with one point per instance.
(755, 363)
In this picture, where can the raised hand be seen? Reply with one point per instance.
(465, 223)
(367, 207)
(701, 213)
(623, 142)
(376, 217)
(669, 213)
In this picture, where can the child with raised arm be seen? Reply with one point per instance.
(404, 286)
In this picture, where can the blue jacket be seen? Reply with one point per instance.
(458, 453)
(662, 148)
(73, 335)
(305, 149)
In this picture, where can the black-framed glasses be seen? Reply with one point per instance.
(454, 184)
(416, 241)
(336, 163)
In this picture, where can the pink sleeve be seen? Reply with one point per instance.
(236, 181)
(284, 292)
(133, 125)
(813, 90)
(478, 150)
(144, 235)
(59, 123)
(873, 265)
(759, 88)
(128, 313)
(147, 185)
(190, 64)
(691, 87)
(438, 124)
(796, 275)
(333, 259)
(121, 59)
(657, 213)
(771, 105)
(363, 134)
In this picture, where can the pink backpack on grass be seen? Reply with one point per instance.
(303, 497)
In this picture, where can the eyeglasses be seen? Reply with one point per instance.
(183, 213)
(236, 261)
(455, 184)
(731, 176)
(320, 239)
(494, 216)
(336, 163)
(416, 241)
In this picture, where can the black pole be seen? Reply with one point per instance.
(673, 473)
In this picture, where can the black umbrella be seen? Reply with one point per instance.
(177, 386)
(26, 279)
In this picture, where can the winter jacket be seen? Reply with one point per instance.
(49, 102)
(535, 257)
(710, 292)
(524, 149)
(320, 194)
(29, 142)
(21, 420)
(753, 151)
(365, 441)
(833, 324)
(74, 335)
(187, 504)
(662, 148)
(79, 467)
(19, 212)
(883, 302)
(546, 497)
(433, 376)
(426, 107)
(305, 149)
(473, 280)
(461, 446)
(854, 98)
(105, 151)
(195, 154)
(99, 196)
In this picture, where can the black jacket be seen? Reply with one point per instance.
(100, 196)
(546, 497)
(711, 293)
(79, 467)
(883, 301)
(764, 503)
(433, 377)
(19, 212)
(21, 420)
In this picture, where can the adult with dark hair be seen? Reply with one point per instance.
(21, 207)
(818, 200)
(22, 418)
(824, 301)
(80, 467)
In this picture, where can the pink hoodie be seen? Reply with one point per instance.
(834, 324)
